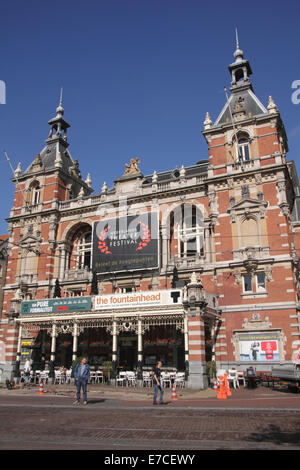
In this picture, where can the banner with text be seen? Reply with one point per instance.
(126, 243)
(58, 305)
(138, 299)
(259, 347)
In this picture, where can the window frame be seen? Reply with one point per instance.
(256, 285)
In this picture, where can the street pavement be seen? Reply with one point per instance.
(124, 419)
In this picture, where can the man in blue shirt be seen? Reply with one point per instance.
(82, 375)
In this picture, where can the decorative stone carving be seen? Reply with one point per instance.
(132, 167)
(256, 323)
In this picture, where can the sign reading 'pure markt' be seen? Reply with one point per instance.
(65, 305)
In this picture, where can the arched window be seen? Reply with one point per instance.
(35, 193)
(187, 226)
(84, 250)
(243, 149)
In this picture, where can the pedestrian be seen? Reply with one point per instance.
(157, 384)
(81, 375)
(27, 369)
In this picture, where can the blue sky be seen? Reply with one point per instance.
(137, 78)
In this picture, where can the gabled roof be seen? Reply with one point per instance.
(251, 106)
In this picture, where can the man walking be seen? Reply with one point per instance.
(82, 375)
(157, 384)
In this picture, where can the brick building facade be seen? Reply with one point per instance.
(225, 266)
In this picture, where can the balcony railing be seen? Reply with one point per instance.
(77, 275)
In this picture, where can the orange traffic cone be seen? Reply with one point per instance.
(174, 396)
(227, 388)
(215, 385)
(41, 390)
(222, 391)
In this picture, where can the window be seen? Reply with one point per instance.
(125, 290)
(254, 283)
(247, 283)
(35, 191)
(84, 251)
(243, 150)
(260, 282)
(190, 233)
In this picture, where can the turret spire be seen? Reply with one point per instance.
(238, 54)
(58, 126)
(60, 110)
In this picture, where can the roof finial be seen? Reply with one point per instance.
(60, 110)
(238, 54)
(237, 39)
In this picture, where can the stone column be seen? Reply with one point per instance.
(18, 358)
(114, 350)
(53, 335)
(63, 254)
(186, 346)
(207, 248)
(140, 350)
(165, 247)
(195, 308)
(75, 341)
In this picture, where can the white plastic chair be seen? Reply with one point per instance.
(180, 379)
(59, 377)
(44, 376)
(147, 379)
(37, 374)
(68, 376)
(165, 379)
(131, 379)
(92, 377)
(241, 377)
(99, 376)
(121, 379)
(232, 377)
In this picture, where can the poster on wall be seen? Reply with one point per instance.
(126, 243)
(259, 347)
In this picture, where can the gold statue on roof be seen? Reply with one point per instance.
(132, 167)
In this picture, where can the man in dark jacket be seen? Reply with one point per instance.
(81, 375)
(156, 373)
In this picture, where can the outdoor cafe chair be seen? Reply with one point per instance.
(131, 379)
(121, 379)
(59, 377)
(92, 377)
(68, 376)
(99, 376)
(241, 377)
(165, 378)
(180, 379)
(232, 377)
(37, 374)
(44, 376)
(147, 379)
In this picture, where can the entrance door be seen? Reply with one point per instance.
(127, 352)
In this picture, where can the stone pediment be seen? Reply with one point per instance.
(30, 242)
(37, 164)
(248, 202)
(247, 206)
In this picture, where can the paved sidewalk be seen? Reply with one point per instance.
(101, 395)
